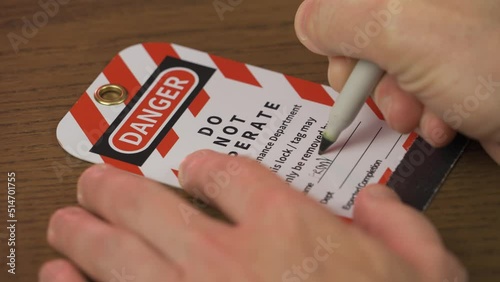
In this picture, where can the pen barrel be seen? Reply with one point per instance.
(363, 79)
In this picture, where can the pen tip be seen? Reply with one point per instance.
(324, 145)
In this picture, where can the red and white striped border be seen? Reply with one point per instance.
(133, 66)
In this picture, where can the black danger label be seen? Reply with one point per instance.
(153, 111)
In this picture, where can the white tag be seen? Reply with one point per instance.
(182, 100)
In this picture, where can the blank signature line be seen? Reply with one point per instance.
(360, 158)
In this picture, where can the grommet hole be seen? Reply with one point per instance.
(110, 94)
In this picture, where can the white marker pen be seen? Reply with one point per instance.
(358, 87)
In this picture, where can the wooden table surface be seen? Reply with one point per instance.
(55, 63)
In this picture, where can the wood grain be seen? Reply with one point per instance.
(40, 82)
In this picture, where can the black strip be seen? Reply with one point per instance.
(423, 169)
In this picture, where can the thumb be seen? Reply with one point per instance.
(415, 43)
(359, 29)
(379, 212)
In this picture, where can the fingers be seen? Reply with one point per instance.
(434, 130)
(401, 110)
(105, 252)
(360, 29)
(253, 196)
(381, 200)
(339, 69)
(493, 149)
(379, 212)
(59, 271)
(149, 210)
(236, 185)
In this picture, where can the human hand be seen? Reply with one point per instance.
(440, 56)
(132, 228)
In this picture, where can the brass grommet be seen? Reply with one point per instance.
(110, 94)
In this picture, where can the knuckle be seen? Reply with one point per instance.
(277, 205)
(104, 243)
(196, 237)
(199, 241)
(277, 198)
(175, 273)
(122, 207)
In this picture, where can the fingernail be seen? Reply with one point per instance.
(51, 271)
(46, 275)
(439, 136)
(189, 162)
(381, 193)
(79, 196)
(92, 172)
(50, 234)
(300, 22)
(301, 27)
